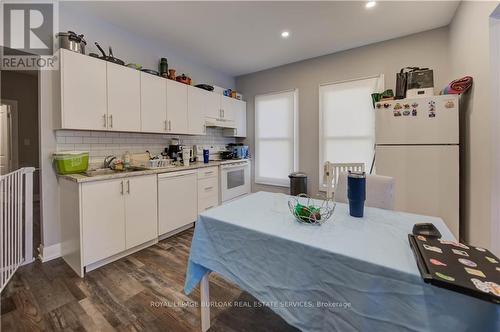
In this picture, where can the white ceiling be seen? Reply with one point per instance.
(243, 37)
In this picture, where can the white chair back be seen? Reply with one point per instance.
(345, 168)
(379, 191)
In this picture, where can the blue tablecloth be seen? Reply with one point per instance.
(348, 274)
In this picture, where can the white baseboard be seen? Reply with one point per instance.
(50, 252)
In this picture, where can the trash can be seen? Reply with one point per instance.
(298, 183)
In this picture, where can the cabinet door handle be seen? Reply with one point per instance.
(209, 188)
(105, 117)
(165, 125)
(121, 191)
(211, 206)
(169, 125)
(128, 186)
(111, 121)
(208, 173)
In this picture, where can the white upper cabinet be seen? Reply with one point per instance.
(213, 109)
(227, 106)
(99, 95)
(83, 92)
(153, 103)
(177, 107)
(124, 98)
(240, 118)
(196, 110)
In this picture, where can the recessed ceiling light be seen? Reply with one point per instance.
(285, 34)
(370, 4)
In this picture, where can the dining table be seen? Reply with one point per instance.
(347, 274)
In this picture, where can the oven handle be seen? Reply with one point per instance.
(234, 166)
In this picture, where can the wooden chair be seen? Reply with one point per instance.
(379, 191)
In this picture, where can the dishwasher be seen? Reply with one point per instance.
(177, 200)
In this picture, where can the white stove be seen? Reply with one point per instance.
(234, 179)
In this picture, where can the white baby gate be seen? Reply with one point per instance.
(16, 222)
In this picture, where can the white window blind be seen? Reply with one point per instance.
(347, 122)
(275, 137)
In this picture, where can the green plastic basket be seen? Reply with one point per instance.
(71, 162)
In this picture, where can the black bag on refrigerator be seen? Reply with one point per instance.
(401, 79)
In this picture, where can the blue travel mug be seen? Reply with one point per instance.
(206, 155)
(356, 193)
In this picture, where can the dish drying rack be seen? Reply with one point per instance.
(143, 161)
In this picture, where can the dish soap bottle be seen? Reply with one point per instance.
(126, 160)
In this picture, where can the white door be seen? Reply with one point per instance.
(153, 103)
(228, 106)
(417, 121)
(197, 99)
(240, 118)
(124, 98)
(141, 213)
(103, 214)
(213, 108)
(426, 179)
(5, 140)
(83, 92)
(177, 100)
(177, 201)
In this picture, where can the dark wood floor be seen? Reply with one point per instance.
(131, 294)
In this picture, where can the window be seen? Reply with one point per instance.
(275, 137)
(347, 122)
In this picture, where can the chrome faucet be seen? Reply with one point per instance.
(108, 160)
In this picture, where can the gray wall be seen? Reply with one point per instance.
(427, 49)
(469, 45)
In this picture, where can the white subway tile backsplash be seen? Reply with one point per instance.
(101, 144)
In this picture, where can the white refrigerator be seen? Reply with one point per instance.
(417, 143)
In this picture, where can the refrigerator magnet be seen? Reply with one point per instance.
(414, 112)
(379, 105)
(397, 113)
(432, 114)
(449, 104)
(406, 106)
(414, 105)
(387, 105)
(406, 112)
(398, 106)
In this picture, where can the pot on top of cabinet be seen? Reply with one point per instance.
(71, 41)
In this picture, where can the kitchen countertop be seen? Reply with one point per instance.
(80, 178)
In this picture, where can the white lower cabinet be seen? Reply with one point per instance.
(208, 188)
(114, 216)
(108, 219)
(177, 200)
(141, 216)
(103, 220)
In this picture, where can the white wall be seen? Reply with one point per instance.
(469, 43)
(427, 49)
(133, 48)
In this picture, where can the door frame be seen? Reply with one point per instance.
(13, 104)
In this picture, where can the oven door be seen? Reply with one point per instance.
(235, 181)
